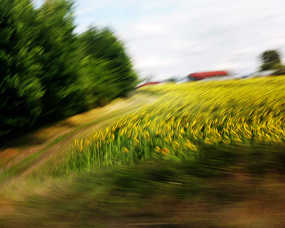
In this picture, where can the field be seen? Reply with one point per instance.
(187, 118)
(199, 154)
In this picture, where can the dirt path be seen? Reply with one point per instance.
(52, 142)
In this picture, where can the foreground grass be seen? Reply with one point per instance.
(224, 183)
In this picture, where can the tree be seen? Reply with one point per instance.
(20, 88)
(173, 79)
(270, 60)
(47, 72)
(60, 76)
(279, 70)
(106, 64)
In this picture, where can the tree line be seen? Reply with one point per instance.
(47, 72)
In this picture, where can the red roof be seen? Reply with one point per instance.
(202, 75)
(147, 83)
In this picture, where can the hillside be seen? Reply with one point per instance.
(201, 154)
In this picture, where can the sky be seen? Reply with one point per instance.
(173, 38)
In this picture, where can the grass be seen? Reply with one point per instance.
(156, 193)
(79, 124)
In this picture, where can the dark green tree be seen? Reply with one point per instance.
(60, 76)
(20, 88)
(97, 82)
(270, 60)
(173, 79)
(47, 72)
(107, 53)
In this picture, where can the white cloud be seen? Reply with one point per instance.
(154, 62)
(183, 46)
(84, 7)
(148, 29)
(170, 37)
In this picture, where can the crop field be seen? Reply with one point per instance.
(198, 154)
(185, 119)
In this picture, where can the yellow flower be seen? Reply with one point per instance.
(157, 149)
(190, 145)
(176, 143)
(165, 151)
(137, 141)
(125, 150)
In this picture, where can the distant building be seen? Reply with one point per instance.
(146, 84)
(206, 75)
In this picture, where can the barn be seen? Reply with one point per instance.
(208, 74)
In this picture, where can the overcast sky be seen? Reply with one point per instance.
(168, 38)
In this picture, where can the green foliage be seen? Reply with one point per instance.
(60, 72)
(48, 72)
(172, 79)
(118, 75)
(97, 81)
(20, 88)
(279, 70)
(270, 60)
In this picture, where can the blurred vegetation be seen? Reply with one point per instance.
(150, 192)
(271, 61)
(48, 72)
(105, 64)
(179, 125)
(200, 152)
